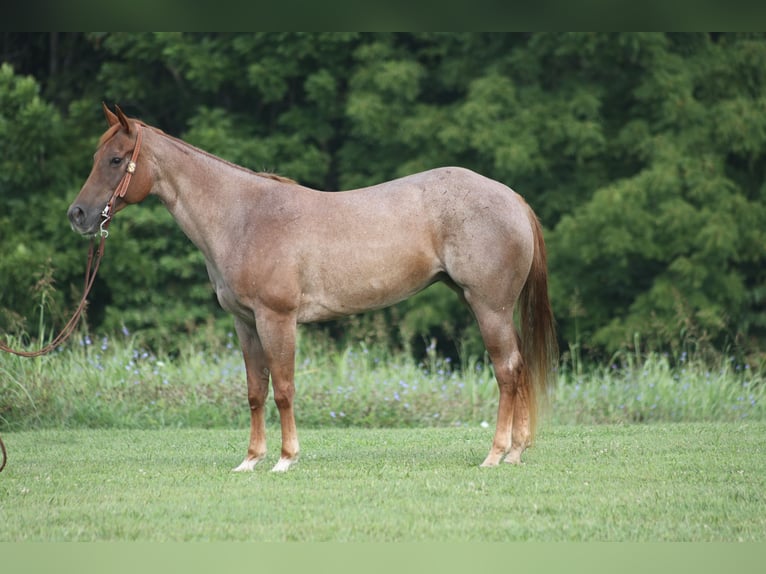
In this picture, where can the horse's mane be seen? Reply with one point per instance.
(109, 134)
(275, 177)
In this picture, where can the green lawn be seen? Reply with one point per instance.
(658, 482)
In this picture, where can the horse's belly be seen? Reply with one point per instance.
(354, 290)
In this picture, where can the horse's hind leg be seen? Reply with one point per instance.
(521, 436)
(502, 344)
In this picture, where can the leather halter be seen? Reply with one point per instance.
(122, 187)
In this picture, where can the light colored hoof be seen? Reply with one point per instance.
(247, 465)
(494, 458)
(490, 462)
(513, 458)
(514, 455)
(284, 464)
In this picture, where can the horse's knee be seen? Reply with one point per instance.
(256, 401)
(283, 396)
(257, 389)
(256, 395)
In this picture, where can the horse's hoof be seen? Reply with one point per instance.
(247, 465)
(284, 464)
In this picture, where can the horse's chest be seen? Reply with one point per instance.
(227, 298)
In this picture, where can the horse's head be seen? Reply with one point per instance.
(120, 175)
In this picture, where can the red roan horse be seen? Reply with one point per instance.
(279, 254)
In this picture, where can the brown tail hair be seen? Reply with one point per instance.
(539, 346)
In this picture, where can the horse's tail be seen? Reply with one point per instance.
(539, 346)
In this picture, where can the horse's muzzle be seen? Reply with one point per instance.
(80, 221)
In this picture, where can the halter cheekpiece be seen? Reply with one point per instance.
(122, 187)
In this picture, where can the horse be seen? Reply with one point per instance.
(280, 254)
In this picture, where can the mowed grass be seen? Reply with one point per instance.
(653, 482)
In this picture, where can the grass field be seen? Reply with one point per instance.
(655, 482)
(111, 442)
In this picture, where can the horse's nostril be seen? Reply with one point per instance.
(76, 214)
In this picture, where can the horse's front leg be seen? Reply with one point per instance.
(277, 334)
(257, 391)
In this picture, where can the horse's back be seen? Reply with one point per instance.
(435, 207)
(375, 246)
(444, 195)
(473, 213)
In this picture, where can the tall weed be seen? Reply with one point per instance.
(103, 382)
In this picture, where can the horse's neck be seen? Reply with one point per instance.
(198, 191)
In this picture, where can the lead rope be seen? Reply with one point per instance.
(91, 269)
(90, 276)
(66, 332)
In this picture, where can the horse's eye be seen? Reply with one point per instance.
(116, 160)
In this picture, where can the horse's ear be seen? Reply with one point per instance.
(111, 119)
(122, 118)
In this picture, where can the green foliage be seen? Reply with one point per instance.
(116, 382)
(643, 153)
(31, 145)
(676, 249)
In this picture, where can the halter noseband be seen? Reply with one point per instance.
(122, 187)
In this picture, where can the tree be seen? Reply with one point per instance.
(642, 153)
(678, 248)
(31, 138)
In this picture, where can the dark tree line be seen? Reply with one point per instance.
(643, 153)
